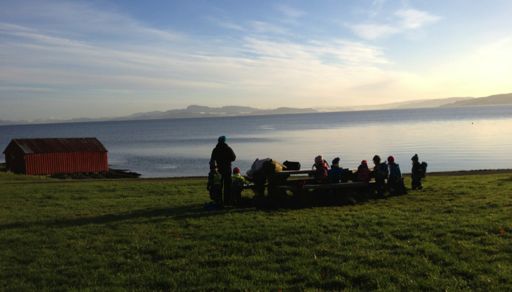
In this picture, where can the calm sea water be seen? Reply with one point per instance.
(448, 139)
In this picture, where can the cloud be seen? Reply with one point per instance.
(81, 19)
(252, 27)
(413, 19)
(374, 31)
(228, 25)
(266, 27)
(341, 52)
(403, 20)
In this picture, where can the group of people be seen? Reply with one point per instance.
(225, 185)
(387, 175)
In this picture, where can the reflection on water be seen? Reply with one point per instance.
(449, 139)
(450, 145)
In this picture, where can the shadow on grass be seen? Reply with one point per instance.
(183, 212)
(198, 210)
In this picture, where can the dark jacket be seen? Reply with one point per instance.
(223, 155)
(335, 174)
(380, 172)
(363, 173)
(394, 172)
(417, 170)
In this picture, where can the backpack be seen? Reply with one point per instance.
(423, 169)
(292, 165)
(257, 167)
(271, 167)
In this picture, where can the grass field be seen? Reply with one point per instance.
(456, 234)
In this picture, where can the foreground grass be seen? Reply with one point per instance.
(456, 234)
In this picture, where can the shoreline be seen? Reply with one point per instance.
(199, 177)
(434, 173)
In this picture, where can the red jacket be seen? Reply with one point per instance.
(363, 173)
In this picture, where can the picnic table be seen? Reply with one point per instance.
(301, 181)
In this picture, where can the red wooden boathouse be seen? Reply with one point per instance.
(56, 155)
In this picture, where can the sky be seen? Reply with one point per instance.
(69, 59)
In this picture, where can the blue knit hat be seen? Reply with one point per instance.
(222, 139)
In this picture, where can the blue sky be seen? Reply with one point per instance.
(64, 59)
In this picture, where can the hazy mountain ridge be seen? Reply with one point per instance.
(422, 103)
(199, 111)
(497, 99)
(427, 103)
(194, 111)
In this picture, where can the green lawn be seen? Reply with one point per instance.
(456, 234)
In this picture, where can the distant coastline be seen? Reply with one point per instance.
(198, 111)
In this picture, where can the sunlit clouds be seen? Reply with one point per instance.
(400, 21)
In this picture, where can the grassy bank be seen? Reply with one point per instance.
(456, 234)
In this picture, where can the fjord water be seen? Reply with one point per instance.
(447, 138)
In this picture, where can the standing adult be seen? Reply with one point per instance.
(223, 155)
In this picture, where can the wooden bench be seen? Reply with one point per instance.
(329, 186)
(296, 182)
(292, 172)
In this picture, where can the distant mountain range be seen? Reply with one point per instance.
(197, 111)
(422, 103)
(498, 99)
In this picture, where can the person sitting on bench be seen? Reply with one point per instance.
(237, 186)
(395, 181)
(336, 172)
(363, 172)
(321, 169)
(380, 173)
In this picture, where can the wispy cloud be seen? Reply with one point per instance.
(413, 19)
(402, 20)
(371, 31)
(228, 24)
(341, 52)
(266, 27)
